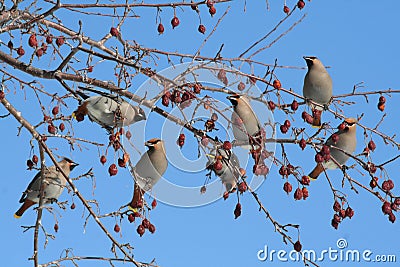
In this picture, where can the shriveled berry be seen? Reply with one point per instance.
(298, 194)
(131, 218)
(349, 212)
(238, 210)
(51, 129)
(381, 106)
(39, 52)
(32, 41)
(140, 230)
(305, 180)
(60, 41)
(212, 10)
(283, 129)
(242, 187)
(29, 163)
(397, 201)
(10, 44)
(128, 135)
(214, 116)
(382, 99)
(334, 224)
(241, 86)
(114, 31)
(297, 246)
(103, 159)
(392, 217)
(117, 228)
(165, 100)
(56, 227)
(225, 195)
(174, 22)
(337, 218)
(386, 208)
(113, 170)
(302, 143)
(203, 189)
(373, 183)
(287, 187)
(336, 206)
(295, 105)
(305, 192)
(283, 171)
(342, 213)
(121, 163)
(152, 228)
(277, 84)
(49, 39)
(209, 3)
(197, 88)
(271, 105)
(146, 223)
(20, 51)
(386, 186)
(201, 28)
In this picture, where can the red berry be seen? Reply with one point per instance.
(386, 208)
(117, 228)
(386, 186)
(381, 106)
(114, 32)
(238, 210)
(300, 4)
(214, 116)
(32, 41)
(49, 39)
(209, 3)
(227, 145)
(287, 187)
(29, 163)
(298, 194)
(217, 165)
(39, 52)
(283, 171)
(382, 99)
(297, 246)
(152, 228)
(349, 212)
(174, 22)
(55, 110)
(56, 227)
(140, 230)
(334, 224)
(61, 127)
(325, 150)
(295, 105)
(10, 44)
(51, 129)
(202, 28)
(277, 84)
(342, 213)
(154, 204)
(131, 218)
(242, 187)
(335, 138)
(60, 41)
(271, 105)
(204, 140)
(197, 88)
(286, 9)
(319, 158)
(160, 28)
(128, 135)
(305, 192)
(146, 223)
(121, 163)
(165, 100)
(241, 86)
(336, 206)
(226, 195)
(103, 159)
(283, 129)
(212, 10)
(287, 123)
(20, 51)
(371, 145)
(305, 180)
(35, 159)
(341, 127)
(392, 217)
(373, 183)
(113, 170)
(397, 201)
(44, 47)
(302, 143)
(203, 189)
(337, 218)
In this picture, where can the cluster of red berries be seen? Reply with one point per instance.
(323, 155)
(209, 125)
(299, 193)
(183, 99)
(285, 126)
(31, 162)
(389, 207)
(340, 214)
(259, 156)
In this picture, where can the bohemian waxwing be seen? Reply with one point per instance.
(244, 120)
(317, 87)
(347, 142)
(53, 182)
(149, 169)
(229, 173)
(108, 111)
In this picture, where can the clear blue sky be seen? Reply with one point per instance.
(359, 42)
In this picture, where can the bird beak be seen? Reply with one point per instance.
(233, 99)
(73, 165)
(141, 115)
(148, 144)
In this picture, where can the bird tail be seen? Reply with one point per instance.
(316, 172)
(137, 199)
(316, 118)
(27, 204)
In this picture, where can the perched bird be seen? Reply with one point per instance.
(244, 120)
(107, 110)
(317, 87)
(53, 185)
(346, 140)
(229, 171)
(149, 169)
